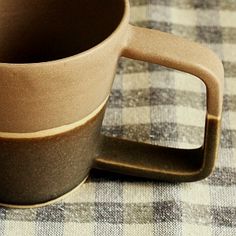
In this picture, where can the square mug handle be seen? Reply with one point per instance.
(163, 163)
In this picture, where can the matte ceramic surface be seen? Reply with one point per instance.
(38, 170)
(57, 64)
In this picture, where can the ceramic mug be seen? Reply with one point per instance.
(57, 64)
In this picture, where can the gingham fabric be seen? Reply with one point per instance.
(153, 104)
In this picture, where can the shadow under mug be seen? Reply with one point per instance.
(57, 64)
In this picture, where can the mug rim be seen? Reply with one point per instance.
(83, 53)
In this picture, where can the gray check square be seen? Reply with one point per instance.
(52, 213)
(108, 212)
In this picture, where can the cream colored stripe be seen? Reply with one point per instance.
(53, 131)
(78, 228)
(188, 17)
(232, 119)
(183, 81)
(136, 115)
(138, 13)
(178, 16)
(189, 196)
(136, 81)
(193, 229)
(227, 18)
(138, 228)
(190, 116)
(229, 51)
(19, 227)
(136, 193)
(224, 196)
(227, 158)
(231, 86)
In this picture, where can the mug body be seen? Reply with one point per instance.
(57, 64)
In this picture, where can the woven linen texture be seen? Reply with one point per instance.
(153, 104)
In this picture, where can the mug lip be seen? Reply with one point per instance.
(81, 54)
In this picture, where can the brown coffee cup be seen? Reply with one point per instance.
(57, 64)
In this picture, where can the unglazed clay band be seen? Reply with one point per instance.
(45, 203)
(54, 131)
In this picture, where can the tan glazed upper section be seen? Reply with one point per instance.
(43, 95)
(64, 70)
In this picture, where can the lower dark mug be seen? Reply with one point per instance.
(56, 73)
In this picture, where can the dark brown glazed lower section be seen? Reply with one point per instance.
(34, 171)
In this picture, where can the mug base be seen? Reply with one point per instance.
(15, 206)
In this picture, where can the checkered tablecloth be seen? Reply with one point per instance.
(153, 104)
